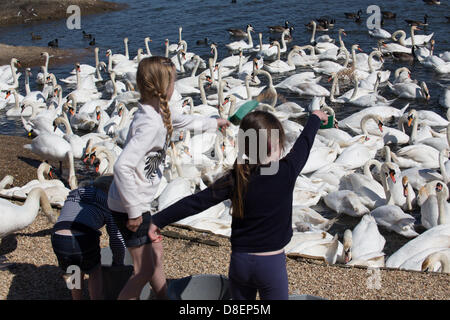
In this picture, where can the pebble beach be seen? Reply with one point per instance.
(34, 272)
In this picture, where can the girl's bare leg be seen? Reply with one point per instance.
(143, 272)
(77, 294)
(158, 281)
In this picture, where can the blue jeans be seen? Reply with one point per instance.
(251, 273)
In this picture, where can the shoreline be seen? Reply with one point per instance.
(26, 11)
(30, 56)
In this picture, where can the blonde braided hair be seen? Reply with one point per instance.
(153, 78)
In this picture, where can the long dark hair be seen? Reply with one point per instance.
(243, 168)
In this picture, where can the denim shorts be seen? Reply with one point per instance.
(80, 250)
(133, 239)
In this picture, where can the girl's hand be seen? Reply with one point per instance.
(322, 116)
(133, 224)
(154, 233)
(223, 123)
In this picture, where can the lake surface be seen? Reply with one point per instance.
(211, 18)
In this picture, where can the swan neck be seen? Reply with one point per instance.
(202, 91)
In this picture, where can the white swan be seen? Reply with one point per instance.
(436, 210)
(8, 75)
(14, 218)
(432, 240)
(279, 66)
(53, 147)
(437, 261)
(364, 245)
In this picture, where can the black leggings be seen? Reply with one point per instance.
(251, 273)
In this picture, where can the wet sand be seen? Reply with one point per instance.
(34, 272)
(26, 11)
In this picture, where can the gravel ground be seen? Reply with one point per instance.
(34, 273)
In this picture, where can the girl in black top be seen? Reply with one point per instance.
(260, 186)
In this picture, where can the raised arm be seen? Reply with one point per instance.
(196, 203)
(298, 156)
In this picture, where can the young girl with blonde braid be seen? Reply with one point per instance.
(139, 168)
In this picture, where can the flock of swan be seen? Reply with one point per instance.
(412, 145)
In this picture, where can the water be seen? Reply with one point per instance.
(211, 18)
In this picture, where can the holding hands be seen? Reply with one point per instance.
(154, 233)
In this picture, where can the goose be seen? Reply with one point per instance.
(15, 218)
(53, 147)
(438, 261)
(364, 245)
(432, 240)
(388, 14)
(42, 77)
(279, 28)
(235, 46)
(352, 15)
(436, 210)
(8, 76)
(418, 23)
(238, 32)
